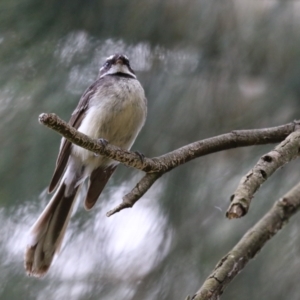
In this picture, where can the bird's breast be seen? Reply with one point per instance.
(116, 114)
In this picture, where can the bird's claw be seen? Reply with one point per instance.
(103, 142)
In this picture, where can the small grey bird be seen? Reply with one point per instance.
(114, 108)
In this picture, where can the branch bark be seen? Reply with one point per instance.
(286, 151)
(167, 162)
(137, 192)
(251, 243)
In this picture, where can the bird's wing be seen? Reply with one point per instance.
(75, 121)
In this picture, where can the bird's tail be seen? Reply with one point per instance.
(47, 232)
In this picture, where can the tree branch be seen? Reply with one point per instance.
(251, 243)
(167, 162)
(130, 159)
(137, 192)
(286, 151)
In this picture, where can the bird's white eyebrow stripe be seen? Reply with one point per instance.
(110, 57)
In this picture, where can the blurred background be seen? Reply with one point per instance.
(208, 67)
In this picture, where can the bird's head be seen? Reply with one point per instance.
(117, 64)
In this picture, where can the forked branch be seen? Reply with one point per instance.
(165, 163)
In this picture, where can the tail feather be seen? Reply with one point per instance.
(48, 231)
(97, 182)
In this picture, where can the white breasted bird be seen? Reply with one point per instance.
(114, 108)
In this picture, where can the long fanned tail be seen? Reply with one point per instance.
(48, 231)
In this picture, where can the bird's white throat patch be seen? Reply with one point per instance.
(117, 68)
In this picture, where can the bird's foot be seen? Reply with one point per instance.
(103, 142)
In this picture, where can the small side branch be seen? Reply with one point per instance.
(138, 191)
(265, 167)
(251, 243)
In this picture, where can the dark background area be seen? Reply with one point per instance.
(208, 67)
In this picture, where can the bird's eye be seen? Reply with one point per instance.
(107, 64)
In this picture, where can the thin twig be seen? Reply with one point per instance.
(251, 243)
(138, 191)
(128, 158)
(265, 167)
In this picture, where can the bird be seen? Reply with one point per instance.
(112, 109)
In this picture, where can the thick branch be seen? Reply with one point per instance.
(166, 162)
(251, 243)
(162, 164)
(283, 153)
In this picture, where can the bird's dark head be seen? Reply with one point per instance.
(117, 64)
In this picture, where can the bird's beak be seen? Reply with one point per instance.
(119, 61)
